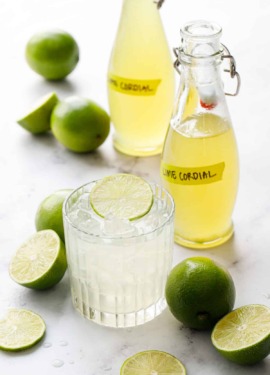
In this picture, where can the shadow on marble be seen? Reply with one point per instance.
(30, 139)
(228, 253)
(65, 88)
(104, 159)
(52, 300)
(147, 167)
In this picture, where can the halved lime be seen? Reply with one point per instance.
(123, 195)
(37, 120)
(152, 362)
(243, 336)
(20, 330)
(40, 262)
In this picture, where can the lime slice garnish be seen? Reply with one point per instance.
(243, 336)
(152, 362)
(38, 118)
(20, 330)
(40, 262)
(123, 195)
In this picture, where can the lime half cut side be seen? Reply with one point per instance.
(40, 262)
(152, 362)
(243, 336)
(20, 329)
(37, 120)
(122, 195)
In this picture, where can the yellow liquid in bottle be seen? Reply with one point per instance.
(203, 210)
(141, 59)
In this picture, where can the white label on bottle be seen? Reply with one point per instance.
(137, 87)
(192, 176)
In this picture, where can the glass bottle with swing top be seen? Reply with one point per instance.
(200, 160)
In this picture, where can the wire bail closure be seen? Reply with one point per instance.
(159, 3)
(177, 62)
(232, 70)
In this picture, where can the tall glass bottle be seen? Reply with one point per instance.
(200, 160)
(140, 80)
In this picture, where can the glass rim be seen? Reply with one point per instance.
(113, 238)
(187, 31)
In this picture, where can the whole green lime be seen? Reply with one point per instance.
(80, 124)
(199, 292)
(53, 54)
(49, 214)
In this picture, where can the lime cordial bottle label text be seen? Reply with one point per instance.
(192, 176)
(137, 87)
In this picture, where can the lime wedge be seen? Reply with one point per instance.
(123, 195)
(40, 262)
(152, 362)
(243, 336)
(20, 330)
(38, 119)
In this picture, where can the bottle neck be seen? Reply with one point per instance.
(201, 52)
(200, 91)
(140, 20)
(140, 4)
(201, 74)
(201, 39)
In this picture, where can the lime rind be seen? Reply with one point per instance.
(199, 292)
(124, 196)
(21, 329)
(152, 362)
(243, 335)
(37, 120)
(53, 54)
(80, 124)
(49, 213)
(40, 262)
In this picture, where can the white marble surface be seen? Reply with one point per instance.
(33, 167)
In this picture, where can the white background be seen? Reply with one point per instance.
(33, 167)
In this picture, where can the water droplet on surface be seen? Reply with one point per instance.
(47, 345)
(58, 363)
(63, 343)
(71, 362)
(266, 295)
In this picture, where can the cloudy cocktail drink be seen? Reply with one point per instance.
(117, 267)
